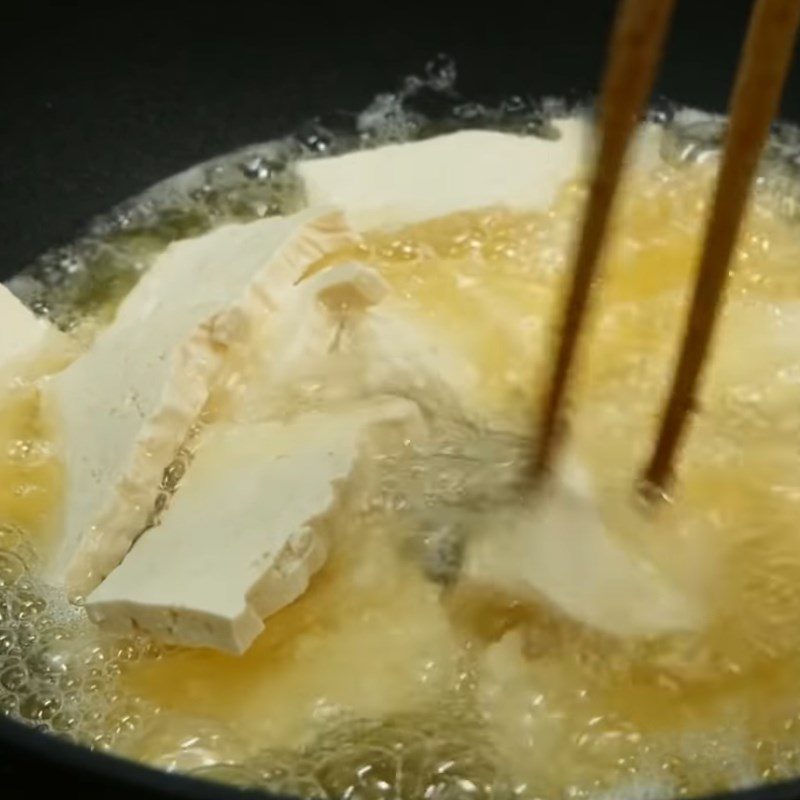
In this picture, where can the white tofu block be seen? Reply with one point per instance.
(123, 409)
(402, 353)
(555, 548)
(238, 540)
(21, 331)
(311, 323)
(301, 353)
(339, 337)
(400, 184)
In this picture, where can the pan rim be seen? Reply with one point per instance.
(18, 736)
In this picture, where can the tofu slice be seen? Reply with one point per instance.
(403, 353)
(313, 319)
(554, 547)
(300, 353)
(400, 184)
(338, 337)
(238, 541)
(21, 331)
(123, 409)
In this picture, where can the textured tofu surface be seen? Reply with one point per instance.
(124, 408)
(21, 331)
(238, 542)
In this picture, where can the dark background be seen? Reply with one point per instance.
(95, 107)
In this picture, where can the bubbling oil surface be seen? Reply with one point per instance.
(383, 680)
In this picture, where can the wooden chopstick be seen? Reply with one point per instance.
(636, 45)
(761, 75)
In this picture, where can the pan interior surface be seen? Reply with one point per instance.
(151, 703)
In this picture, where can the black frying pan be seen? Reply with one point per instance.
(96, 109)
